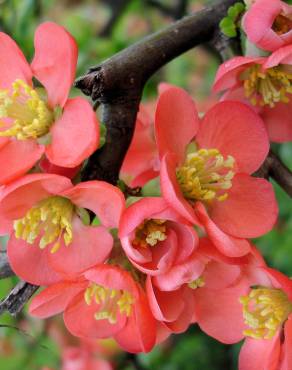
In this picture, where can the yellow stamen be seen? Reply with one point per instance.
(149, 233)
(50, 219)
(198, 283)
(264, 311)
(206, 175)
(267, 87)
(111, 302)
(23, 114)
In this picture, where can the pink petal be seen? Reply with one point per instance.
(55, 60)
(176, 121)
(79, 320)
(219, 312)
(19, 196)
(143, 178)
(171, 191)
(180, 274)
(250, 210)
(78, 124)
(55, 298)
(278, 121)
(17, 157)
(48, 167)
(279, 280)
(228, 72)
(219, 275)
(187, 237)
(235, 129)
(139, 334)
(104, 199)
(288, 343)
(30, 263)
(258, 22)
(280, 56)
(227, 244)
(260, 354)
(91, 245)
(13, 64)
(165, 306)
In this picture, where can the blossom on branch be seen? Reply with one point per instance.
(34, 121)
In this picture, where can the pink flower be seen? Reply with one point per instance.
(268, 316)
(141, 163)
(208, 181)
(106, 302)
(264, 83)
(34, 123)
(48, 167)
(52, 234)
(78, 358)
(268, 24)
(152, 236)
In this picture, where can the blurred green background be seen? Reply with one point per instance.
(29, 344)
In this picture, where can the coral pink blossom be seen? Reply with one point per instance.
(268, 24)
(48, 167)
(265, 84)
(105, 302)
(52, 232)
(268, 344)
(32, 124)
(78, 358)
(152, 236)
(208, 181)
(141, 163)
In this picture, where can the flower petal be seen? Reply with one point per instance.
(278, 121)
(227, 244)
(55, 60)
(213, 307)
(90, 246)
(258, 21)
(176, 121)
(17, 157)
(78, 124)
(79, 320)
(171, 191)
(250, 210)
(30, 263)
(13, 64)
(228, 72)
(280, 56)
(139, 334)
(104, 199)
(19, 196)
(235, 129)
(55, 298)
(260, 354)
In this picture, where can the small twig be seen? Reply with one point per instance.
(117, 9)
(17, 298)
(273, 167)
(5, 269)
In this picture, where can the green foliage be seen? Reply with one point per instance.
(229, 24)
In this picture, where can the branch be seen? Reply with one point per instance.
(5, 269)
(118, 83)
(273, 167)
(117, 9)
(17, 298)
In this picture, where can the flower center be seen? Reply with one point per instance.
(267, 87)
(50, 219)
(205, 175)
(23, 114)
(198, 283)
(282, 24)
(264, 311)
(111, 302)
(149, 233)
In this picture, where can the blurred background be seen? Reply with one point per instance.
(101, 29)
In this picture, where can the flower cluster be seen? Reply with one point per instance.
(142, 268)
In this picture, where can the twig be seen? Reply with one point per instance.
(118, 83)
(17, 298)
(273, 167)
(176, 12)
(5, 269)
(117, 9)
